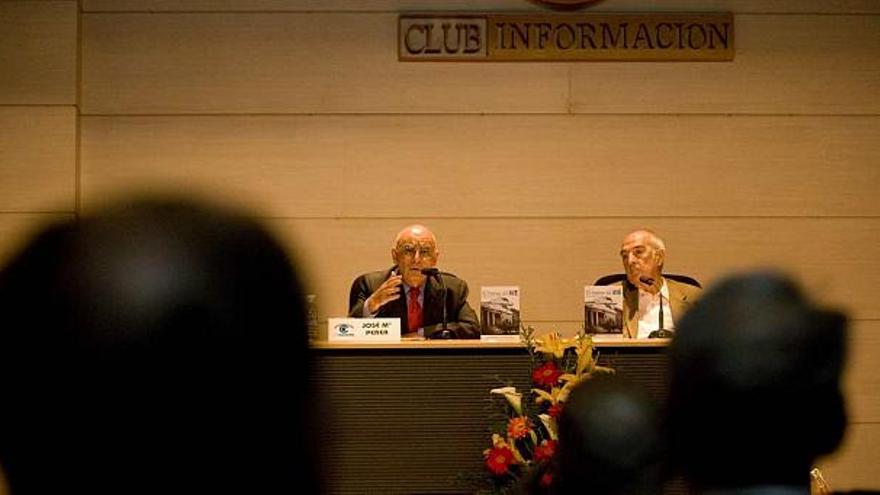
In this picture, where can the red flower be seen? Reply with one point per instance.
(518, 427)
(498, 459)
(545, 450)
(555, 410)
(546, 375)
(546, 479)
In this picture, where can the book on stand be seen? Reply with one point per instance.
(499, 312)
(603, 309)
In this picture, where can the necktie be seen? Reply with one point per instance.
(414, 310)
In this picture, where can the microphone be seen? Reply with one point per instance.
(660, 327)
(444, 332)
(661, 332)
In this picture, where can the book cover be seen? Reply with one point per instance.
(499, 310)
(603, 309)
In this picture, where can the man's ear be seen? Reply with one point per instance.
(394, 256)
(661, 257)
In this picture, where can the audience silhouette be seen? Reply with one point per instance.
(156, 346)
(755, 393)
(609, 441)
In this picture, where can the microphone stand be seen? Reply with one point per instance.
(444, 332)
(661, 332)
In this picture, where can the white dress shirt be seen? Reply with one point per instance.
(649, 311)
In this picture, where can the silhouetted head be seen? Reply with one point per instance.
(755, 384)
(609, 440)
(152, 346)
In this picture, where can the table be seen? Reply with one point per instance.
(413, 417)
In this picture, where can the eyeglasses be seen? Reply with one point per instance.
(410, 250)
(638, 252)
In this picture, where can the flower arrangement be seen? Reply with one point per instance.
(524, 440)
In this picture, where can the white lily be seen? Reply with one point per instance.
(550, 425)
(513, 397)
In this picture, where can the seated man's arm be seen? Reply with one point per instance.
(462, 320)
(468, 323)
(357, 297)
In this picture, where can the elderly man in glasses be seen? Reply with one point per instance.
(414, 291)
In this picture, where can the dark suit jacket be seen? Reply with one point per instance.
(681, 298)
(461, 319)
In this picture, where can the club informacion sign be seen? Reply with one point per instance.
(600, 37)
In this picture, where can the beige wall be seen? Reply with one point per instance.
(529, 173)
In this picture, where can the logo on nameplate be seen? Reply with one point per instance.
(365, 330)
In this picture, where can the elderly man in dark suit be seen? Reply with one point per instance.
(414, 291)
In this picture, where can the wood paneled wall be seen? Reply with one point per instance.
(530, 173)
(38, 116)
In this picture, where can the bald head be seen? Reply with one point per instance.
(415, 231)
(415, 248)
(643, 253)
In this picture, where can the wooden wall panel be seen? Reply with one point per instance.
(38, 52)
(855, 464)
(341, 63)
(784, 64)
(499, 166)
(806, 6)
(17, 228)
(862, 379)
(289, 63)
(37, 158)
(552, 259)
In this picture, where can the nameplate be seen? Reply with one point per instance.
(379, 330)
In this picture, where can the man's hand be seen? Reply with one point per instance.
(387, 292)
